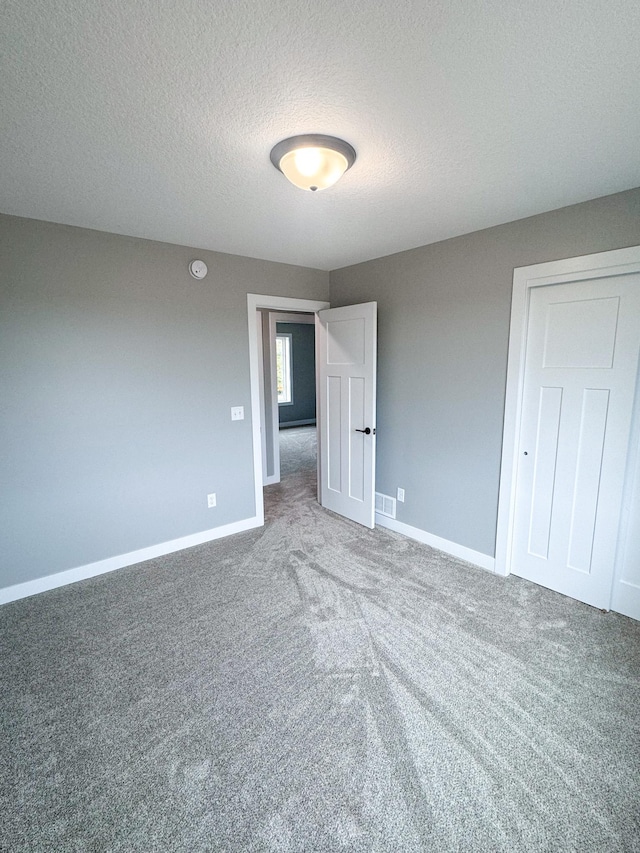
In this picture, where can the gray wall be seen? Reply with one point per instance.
(118, 371)
(443, 327)
(118, 374)
(303, 365)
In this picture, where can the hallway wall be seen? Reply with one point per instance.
(303, 355)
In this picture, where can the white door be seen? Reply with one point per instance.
(346, 351)
(580, 373)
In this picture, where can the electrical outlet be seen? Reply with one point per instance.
(237, 413)
(211, 500)
(400, 495)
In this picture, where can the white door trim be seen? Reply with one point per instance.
(600, 265)
(273, 303)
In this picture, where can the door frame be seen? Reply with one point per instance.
(271, 303)
(569, 270)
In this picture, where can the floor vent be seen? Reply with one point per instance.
(385, 505)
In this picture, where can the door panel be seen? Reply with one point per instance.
(347, 400)
(346, 341)
(333, 429)
(580, 371)
(581, 333)
(593, 423)
(544, 470)
(357, 441)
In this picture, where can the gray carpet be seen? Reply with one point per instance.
(315, 686)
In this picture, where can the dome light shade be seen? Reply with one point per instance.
(313, 161)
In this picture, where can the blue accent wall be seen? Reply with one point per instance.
(303, 361)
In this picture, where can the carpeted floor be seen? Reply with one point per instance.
(315, 686)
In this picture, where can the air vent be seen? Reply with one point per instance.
(385, 505)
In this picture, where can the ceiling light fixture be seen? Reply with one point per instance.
(313, 161)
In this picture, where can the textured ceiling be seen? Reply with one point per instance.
(155, 118)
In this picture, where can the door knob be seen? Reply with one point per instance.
(366, 431)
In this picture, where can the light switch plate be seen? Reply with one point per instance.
(211, 500)
(237, 413)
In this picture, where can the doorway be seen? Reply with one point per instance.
(266, 432)
(286, 342)
(346, 401)
(295, 348)
(569, 477)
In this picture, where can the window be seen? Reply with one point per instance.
(283, 369)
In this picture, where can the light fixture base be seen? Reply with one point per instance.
(334, 156)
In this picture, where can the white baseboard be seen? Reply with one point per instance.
(460, 551)
(33, 587)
